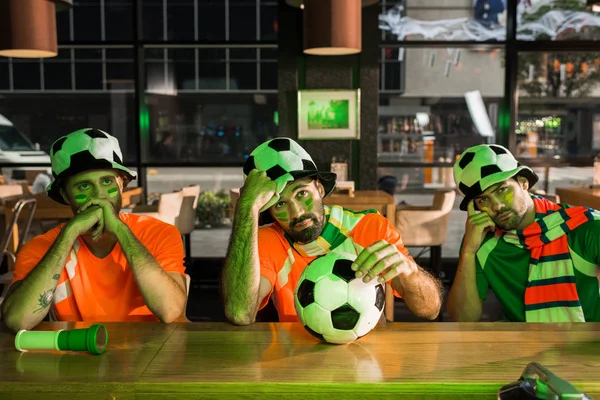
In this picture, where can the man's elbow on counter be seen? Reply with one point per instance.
(238, 318)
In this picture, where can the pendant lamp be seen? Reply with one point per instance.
(332, 27)
(28, 27)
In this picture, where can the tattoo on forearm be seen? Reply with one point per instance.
(55, 276)
(45, 299)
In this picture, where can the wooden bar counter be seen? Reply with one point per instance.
(281, 360)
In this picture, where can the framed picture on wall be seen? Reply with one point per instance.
(329, 114)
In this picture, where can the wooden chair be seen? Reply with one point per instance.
(131, 197)
(25, 204)
(167, 209)
(186, 222)
(10, 191)
(427, 226)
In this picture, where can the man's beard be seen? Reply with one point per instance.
(310, 233)
(511, 223)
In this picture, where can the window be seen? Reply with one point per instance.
(556, 20)
(559, 104)
(473, 20)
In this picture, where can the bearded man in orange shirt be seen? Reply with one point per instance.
(102, 265)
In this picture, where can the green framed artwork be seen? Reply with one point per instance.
(329, 114)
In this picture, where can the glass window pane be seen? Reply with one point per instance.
(63, 33)
(43, 118)
(26, 74)
(211, 20)
(180, 21)
(478, 20)
(431, 121)
(211, 69)
(118, 21)
(242, 54)
(559, 98)
(393, 76)
(242, 20)
(87, 20)
(242, 76)
(268, 54)
(268, 75)
(208, 127)
(4, 74)
(119, 69)
(88, 75)
(557, 20)
(268, 22)
(183, 68)
(152, 12)
(57, 75)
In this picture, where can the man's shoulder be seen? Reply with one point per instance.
(148, 228)
(42, 242)
(140, 222)
(271, 231)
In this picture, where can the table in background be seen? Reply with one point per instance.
(281, 360)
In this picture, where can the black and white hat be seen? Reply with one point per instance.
(284, 160)
(482, 166)
(84, 150)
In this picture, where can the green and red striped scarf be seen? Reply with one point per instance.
(551, 294)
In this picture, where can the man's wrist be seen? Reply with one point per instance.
(121, 229)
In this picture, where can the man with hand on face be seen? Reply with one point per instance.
(101, 265)
(284, 187)
(539, 258)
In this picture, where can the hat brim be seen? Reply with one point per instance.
(501, 177)
(327, 179)
(53, 190)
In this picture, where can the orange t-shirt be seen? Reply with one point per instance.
(94, 289)
(282, 264)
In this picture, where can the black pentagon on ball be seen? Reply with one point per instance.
(280, 144)
(308, 165)
(344, 317)
(249, 165)
(84, 159)
(306, 293)
(489, 170)
(315, 334)
(379, 297)
(470, 191)
(276, 172)
(498, 150)
(95, 133)
(116, 158)
(57, 146)
(342, 269)
(466, 159)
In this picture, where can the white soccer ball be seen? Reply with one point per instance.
(333, 305)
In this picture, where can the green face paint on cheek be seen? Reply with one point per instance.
(81, 198)
(113, 192)
(282, 216)
(509, 198)
(309, 204)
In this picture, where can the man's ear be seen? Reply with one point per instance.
(524, 182)
(64, 196)
(321, 188)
